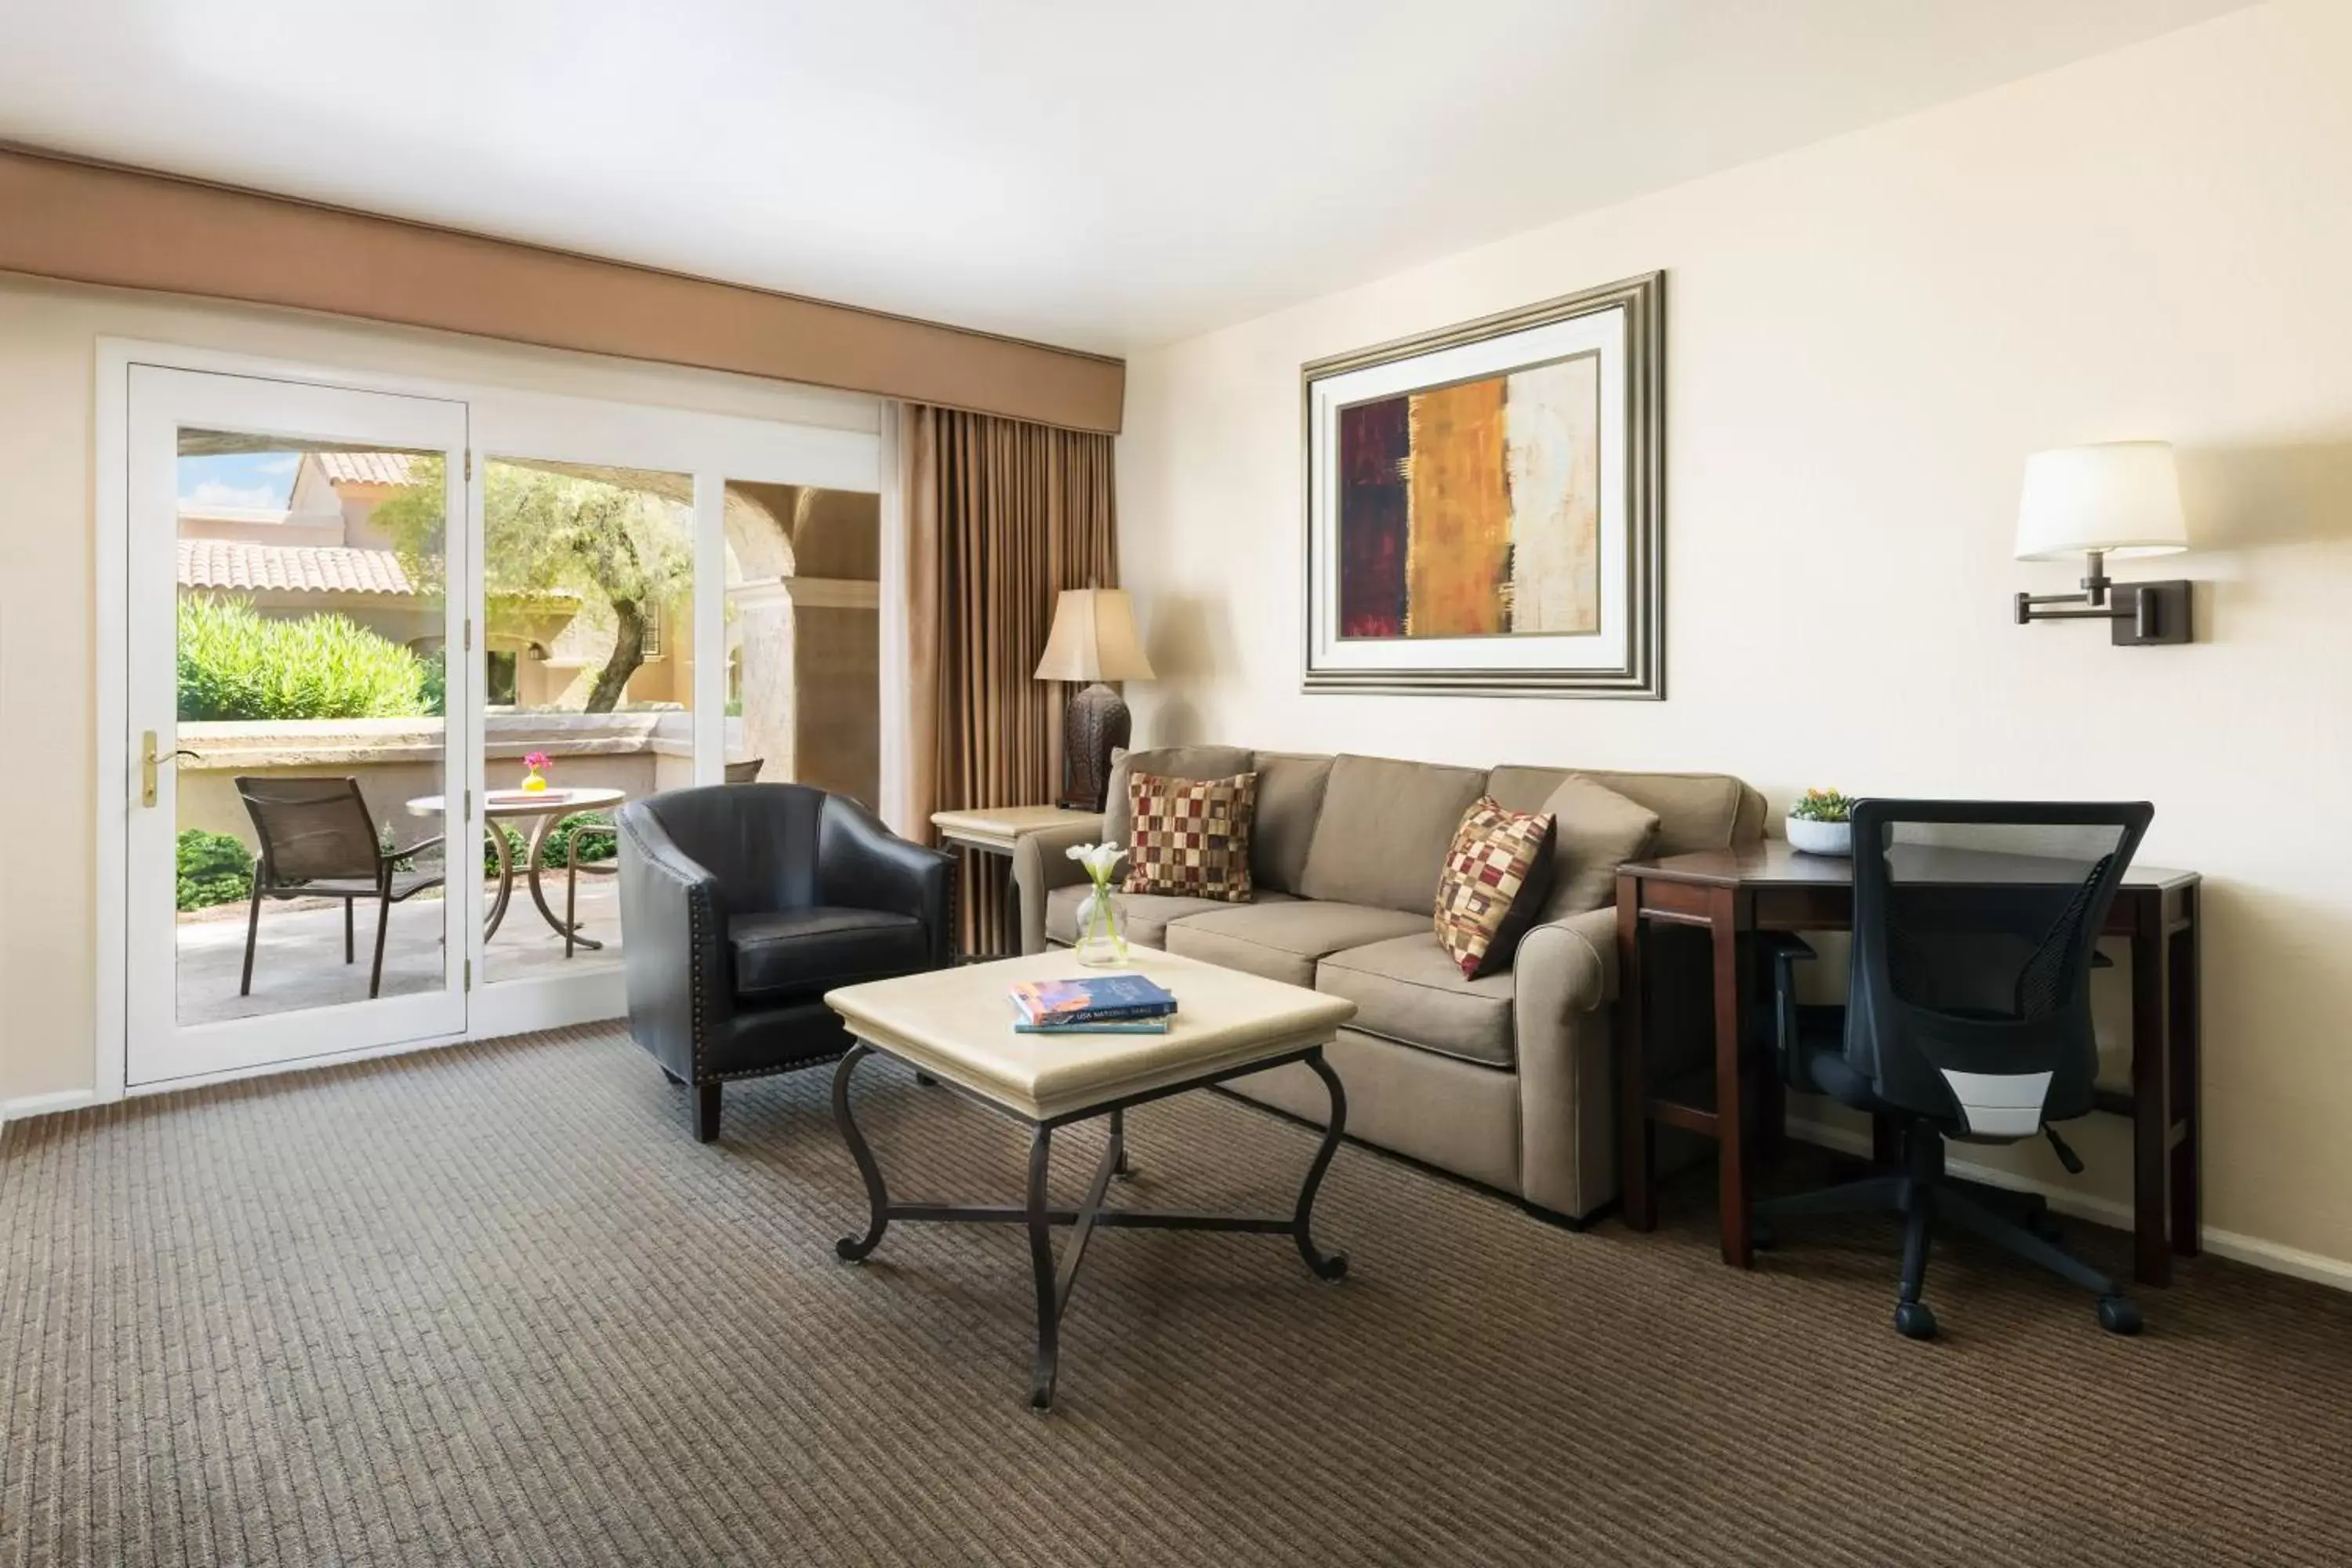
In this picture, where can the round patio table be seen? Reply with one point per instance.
(544, 808)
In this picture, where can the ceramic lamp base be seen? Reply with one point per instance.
(1097, 724)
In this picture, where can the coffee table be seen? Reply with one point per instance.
(956, 1026)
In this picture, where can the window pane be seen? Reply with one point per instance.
(308, 638)
(803, 636)
(588, 589)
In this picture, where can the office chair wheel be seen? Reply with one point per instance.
(1913, 1320)
(2119, 1314)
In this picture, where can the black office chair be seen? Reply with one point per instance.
(1967, 1013)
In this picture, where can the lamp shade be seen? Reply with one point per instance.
(2120, 497)
(1094, 638)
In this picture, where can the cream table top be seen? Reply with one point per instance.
(996, 826)
(957, 1024)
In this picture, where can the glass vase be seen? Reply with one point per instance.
(1102, 929)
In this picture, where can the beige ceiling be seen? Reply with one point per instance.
(1098, 173)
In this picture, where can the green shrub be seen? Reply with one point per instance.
(236, 663)
(215, 868)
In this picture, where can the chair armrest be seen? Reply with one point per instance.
(673, 955)
(387, 857)
(861, 864)
(1041, 863)
(1786, 1037)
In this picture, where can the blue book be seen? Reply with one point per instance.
(1108, 1026)
(1107, 998)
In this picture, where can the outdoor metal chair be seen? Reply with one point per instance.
(318, 841)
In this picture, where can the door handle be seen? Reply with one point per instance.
(149, 763)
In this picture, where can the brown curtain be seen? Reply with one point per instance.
(1000, 515)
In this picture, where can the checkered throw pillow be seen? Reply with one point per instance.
(1190, 837)
(1489, 889)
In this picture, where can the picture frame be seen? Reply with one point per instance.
(1485, 505)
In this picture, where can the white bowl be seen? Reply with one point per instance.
(1812, 838)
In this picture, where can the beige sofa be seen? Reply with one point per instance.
(1505, 1079)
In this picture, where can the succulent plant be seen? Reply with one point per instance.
(1823, 806)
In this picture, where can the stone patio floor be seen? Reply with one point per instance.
(298, 961)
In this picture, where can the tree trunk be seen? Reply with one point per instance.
(628, 653)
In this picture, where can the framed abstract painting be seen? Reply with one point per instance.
(1485, 509)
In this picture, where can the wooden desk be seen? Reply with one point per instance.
(1767, 887)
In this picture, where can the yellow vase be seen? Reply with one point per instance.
(532, 783)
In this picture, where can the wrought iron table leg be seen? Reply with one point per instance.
(1330, 1265)
(1041, 1264)
(1119, 1165)
(851, 1248)
(535, 863)
(505, 895)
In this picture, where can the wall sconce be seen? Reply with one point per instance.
(2119, 499)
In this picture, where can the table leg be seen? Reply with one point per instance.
(2151, 1114)
(2187, 1030)
(1041, 1266)
(1120, 1166)
(505, 894)
(533, 863)
(1325, 1266)
(1637, 1148)
(853, 1248)
(1734, 1220)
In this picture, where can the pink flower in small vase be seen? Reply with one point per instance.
(535, 760)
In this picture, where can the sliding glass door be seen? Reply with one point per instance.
(393, 658)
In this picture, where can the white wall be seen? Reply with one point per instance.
(1865, 338)
(48, 335)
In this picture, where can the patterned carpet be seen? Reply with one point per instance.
(492, 1305)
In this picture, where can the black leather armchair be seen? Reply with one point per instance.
(742, 905)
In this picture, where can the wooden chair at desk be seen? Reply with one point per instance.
(1734, 899)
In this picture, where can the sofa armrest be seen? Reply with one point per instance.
(1041, 863)
(674, 956)
(1567, 966)
(1564, 977)
(863, 865)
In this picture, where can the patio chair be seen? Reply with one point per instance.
(318, 841)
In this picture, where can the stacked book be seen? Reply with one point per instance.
(1101, 1004)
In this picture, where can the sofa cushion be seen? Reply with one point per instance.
(1289, 800)
(796, 953)
(1695, 811)
(1410, 990)
(1497, 876)
(1190, 838)
(1148, 914)
(1594, 831)
(1169, 762)
(1381, 838)
(1282, 941)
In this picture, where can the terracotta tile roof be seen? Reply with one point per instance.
(365, 467)
(301, 568)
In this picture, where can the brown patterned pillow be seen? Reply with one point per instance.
(1491, 884)
(1190, 837)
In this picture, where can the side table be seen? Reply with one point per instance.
(993, 830)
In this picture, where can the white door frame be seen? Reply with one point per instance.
(162, 1049)
(714, 447)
